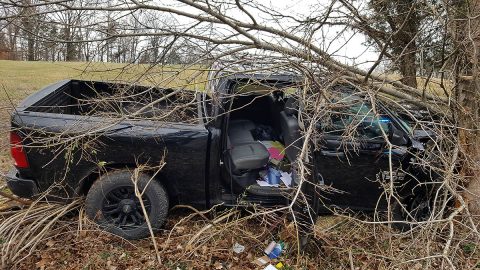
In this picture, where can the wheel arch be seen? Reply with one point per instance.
(86, 183)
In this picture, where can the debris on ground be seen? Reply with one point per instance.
(237, 248)
(270, 247)
(261, 261)
(270, 267)
(274, 249)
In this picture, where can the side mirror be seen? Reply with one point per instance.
(395, 135)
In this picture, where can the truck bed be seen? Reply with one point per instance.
(114, 100)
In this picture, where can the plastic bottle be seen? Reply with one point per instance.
(277, 250)
(270, 247)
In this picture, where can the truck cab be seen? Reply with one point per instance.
(351, 169)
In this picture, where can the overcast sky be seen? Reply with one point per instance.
(347, 46)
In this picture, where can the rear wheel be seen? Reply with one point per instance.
(111, 203)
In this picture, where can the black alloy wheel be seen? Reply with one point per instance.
(416, 208)
(123, 209)
(112, 204)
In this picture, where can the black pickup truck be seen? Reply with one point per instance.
(94, 139)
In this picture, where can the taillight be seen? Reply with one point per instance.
(16, 149)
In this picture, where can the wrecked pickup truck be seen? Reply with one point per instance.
(233, 144)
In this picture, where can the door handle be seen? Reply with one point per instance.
(332, 153)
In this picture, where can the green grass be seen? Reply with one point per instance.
(20, 78)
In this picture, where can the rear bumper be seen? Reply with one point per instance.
(21, 187)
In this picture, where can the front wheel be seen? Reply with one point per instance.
(414, 208)
(111, 203)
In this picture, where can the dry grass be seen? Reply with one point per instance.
(73, 242)
(431, 86)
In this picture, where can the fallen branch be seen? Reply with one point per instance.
(15, 198)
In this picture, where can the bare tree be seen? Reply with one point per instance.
(29, 27)
(393, 27)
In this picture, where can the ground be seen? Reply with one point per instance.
(72, 242)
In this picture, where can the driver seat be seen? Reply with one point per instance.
(244, 152)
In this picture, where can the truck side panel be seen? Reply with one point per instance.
(67, 150)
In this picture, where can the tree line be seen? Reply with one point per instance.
(32, 30)
(407, 35)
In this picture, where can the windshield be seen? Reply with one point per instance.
(354, 115)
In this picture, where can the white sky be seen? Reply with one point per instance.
(347, 47)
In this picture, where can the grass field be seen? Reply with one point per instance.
(20, 78)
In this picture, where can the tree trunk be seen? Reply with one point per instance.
(70, 47)
(466, 34)
(406, 39)
(408, 69)
(28, 24)
(30, 48)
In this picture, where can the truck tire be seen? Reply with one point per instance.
(418, 208)
(112, 204)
